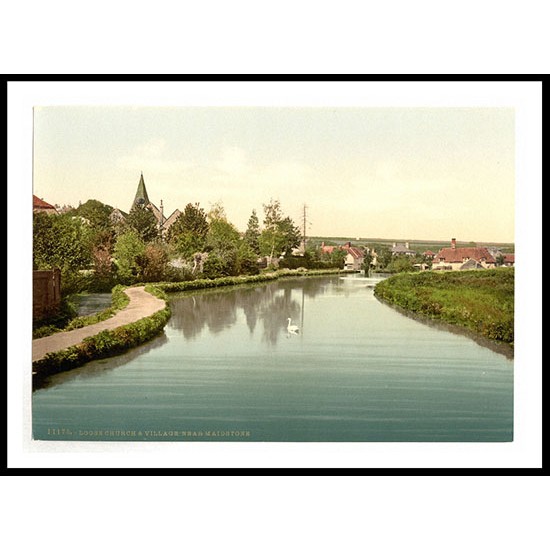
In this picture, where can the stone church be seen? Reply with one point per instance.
(142, 199)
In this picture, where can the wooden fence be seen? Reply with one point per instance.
(46, 292)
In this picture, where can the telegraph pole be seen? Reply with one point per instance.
(304, 220)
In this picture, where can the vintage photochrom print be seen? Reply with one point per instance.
(273, 274)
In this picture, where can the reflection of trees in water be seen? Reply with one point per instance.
(269, 304)
(275, 314)
(248, 300)
(192, 314)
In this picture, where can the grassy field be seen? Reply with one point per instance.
(480, 300)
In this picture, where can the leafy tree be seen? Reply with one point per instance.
(270, 238)
(214, 266)
(400, 264)
(499, 260)
(367, 262)
(143, 222)
(338, 257)
(247, 259)
(153, 263)
(128, 250)
(252, 233)
(221, 236)
(290, 235)
(223, 241)
(280, 234)
(62, 241)
(188, 233)
(104, 273)
(384, 257)
(96, 213)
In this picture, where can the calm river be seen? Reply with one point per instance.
(227, 369)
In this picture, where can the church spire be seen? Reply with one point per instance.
(141, 197)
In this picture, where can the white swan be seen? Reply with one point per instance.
(292, 328)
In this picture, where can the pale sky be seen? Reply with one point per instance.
(403, 173)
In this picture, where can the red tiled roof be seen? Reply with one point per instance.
(462, 254)
(355, 252)
(39, 203)
(429, 253)
(327, 249)
(510, 258)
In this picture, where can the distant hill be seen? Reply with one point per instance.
(416, 245)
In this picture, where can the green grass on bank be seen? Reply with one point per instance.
(199, 284)
(119, 301)
(480, 300)
(113, 342)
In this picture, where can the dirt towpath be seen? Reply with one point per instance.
(142, 304)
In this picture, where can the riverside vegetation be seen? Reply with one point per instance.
(481, 301)
(113, 342)
(106, 343)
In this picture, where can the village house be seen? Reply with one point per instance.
(354, 258)
(454, 258)
(509, 260)
(39, 205)
(399, 249)
(117, 216)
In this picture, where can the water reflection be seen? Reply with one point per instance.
(265, 307)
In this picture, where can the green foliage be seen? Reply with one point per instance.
(214, 267)
(337, 257)
(153, 263)
(104, 272)
(295, 262)
(188, 233)
(291, 236)
(247, 259)
(366, 266)
(280, 234)
(96, 213)
(54, 323)
(113, 342)
(199, 284)
(119, 301)
(68, 320)
(400, 264)
(63, 241)
(480, 300)
(252, 233)
(222, 244)
(104, 344)
(142, 220)
(384, 258)
(128, 249)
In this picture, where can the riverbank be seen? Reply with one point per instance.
(480, 301)
(143, 316)
(199, 284)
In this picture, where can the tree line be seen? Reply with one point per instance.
(95, 250)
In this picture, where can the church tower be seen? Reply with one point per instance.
(141, 198)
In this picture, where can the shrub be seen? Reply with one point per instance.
(104, 344)
(482, 301)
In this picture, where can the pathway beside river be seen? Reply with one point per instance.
(142, 304)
